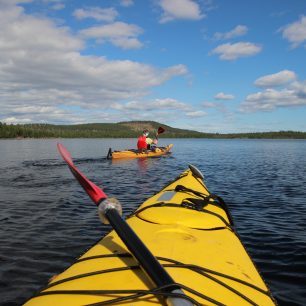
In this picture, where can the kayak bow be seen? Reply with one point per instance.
(190, 232)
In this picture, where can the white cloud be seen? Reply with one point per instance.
(120, 34)
(169, 103)
(271, 99)
(294, 94)
(13, 120)
(126, 3)
(299, 88)
(58, 6)
(196, 114)
(223, 96)
(97, 13)
(40, 114)
(55, 4)
(180, 9)
(280, 78)
(218, 106)
(157, 104)
(50, 71)
(126, 42)
(233, 51)
(209, 104)
(11, 3)
(239, 30)
(49, 1)
(18, 30)
(163, 109)
(295, 32)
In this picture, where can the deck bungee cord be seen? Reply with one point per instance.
(187, 205)
(174, 264)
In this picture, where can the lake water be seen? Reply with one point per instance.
(47, 220)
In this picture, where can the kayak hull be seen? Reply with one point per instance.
(191, 235)
(136, 154)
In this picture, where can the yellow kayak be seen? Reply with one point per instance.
(190, 232)
(137, 154)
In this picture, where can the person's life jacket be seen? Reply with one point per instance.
(141, 143)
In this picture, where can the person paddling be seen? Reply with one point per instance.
(146, 143)
(152, 143)
(142, 141)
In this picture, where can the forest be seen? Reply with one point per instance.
(128, 129)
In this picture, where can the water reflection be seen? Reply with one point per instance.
(143, 164)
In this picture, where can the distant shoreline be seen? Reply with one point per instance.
(213, 138)
(130, 129)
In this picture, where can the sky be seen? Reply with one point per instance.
(206, 65)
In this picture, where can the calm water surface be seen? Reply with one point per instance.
(47, 220)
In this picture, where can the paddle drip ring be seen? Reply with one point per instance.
(105, 205)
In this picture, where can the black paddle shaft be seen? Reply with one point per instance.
(145, 258)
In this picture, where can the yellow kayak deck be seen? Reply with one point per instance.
(190, 233)
(137, 154)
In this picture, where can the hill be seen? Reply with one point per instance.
(92, 130)
(124, 130)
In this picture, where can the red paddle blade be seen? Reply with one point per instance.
(95, 193)
(160, 130)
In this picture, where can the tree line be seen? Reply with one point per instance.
(125, 130)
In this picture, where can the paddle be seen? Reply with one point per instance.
(109, 211)
(160, 131)
(95, 193)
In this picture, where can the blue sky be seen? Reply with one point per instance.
(207, 65)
